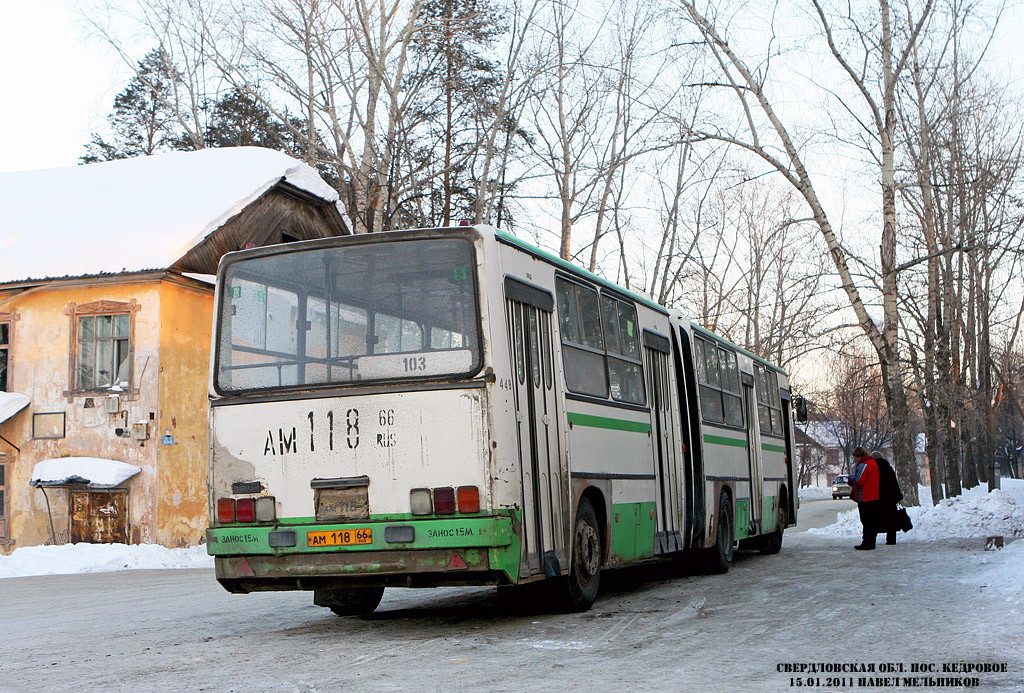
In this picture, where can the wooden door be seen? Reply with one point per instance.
(3, 497)
(99, 517)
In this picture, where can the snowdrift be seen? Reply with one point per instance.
(99, 558)
(975, 513)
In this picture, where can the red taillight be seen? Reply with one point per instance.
(245, 510)
(226, 510)
(469, 499)
(444, 501)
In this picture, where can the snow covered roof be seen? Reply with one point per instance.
(823, 433)
(94, 471)
(10, 404)
(133, 214)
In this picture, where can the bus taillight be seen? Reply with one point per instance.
(444, 500)
(226, 510)
(419, 499)
(245, 510)
(266, 509)
(469, 499)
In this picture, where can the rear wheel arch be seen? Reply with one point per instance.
(598, 502)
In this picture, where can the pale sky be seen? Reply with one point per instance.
(59, 84)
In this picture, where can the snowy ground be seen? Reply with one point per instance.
(654, 627)
(974, 514)
(813, 493)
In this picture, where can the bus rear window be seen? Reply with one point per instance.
(355, 313)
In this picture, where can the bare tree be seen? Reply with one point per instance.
(854, 409)
(874, 74)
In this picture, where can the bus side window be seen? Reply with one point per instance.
(710, 382)
(568, 319)
(625, 372)
(583, 357)
(731, 389)
(769, 403)
(590, 318)
(776, 405)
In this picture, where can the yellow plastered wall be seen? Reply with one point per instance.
(167, 500)
(186, 315)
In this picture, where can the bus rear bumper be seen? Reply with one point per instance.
(394, 568)
(431, 552)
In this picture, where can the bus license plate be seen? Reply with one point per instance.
(340, 537)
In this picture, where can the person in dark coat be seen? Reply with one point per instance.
(889, 494)
(864, 485)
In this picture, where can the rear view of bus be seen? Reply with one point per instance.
(348, 431)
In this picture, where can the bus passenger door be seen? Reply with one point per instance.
(753, 456)
(656, 353)
(544, 489)
(791, 481)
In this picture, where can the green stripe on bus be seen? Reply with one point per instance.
(613, 424)
(722, 440)
(773, 448)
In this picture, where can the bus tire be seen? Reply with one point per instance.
(585, 568)
(349, 601)
(720, 555)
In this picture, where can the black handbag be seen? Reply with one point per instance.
(903, 519)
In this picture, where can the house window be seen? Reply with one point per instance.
(103, 349)
(102, 346)
(5, 345)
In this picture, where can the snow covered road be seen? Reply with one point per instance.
(653, 628)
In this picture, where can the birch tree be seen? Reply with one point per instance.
(873, 74)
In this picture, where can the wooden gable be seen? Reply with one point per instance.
(280, 215)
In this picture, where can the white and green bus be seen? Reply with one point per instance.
(456, 407)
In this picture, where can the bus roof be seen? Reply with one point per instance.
(755, 357)
(550, 257)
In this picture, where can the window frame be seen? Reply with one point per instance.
(103, 308)
(722, 362)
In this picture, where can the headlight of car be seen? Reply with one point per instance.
(835, 488)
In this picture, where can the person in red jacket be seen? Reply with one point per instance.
(864, 482)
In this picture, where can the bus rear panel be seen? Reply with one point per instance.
(349, 438)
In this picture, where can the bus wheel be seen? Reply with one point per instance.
(349, 601)
(585, 571)
(720, 555)
(773, 543)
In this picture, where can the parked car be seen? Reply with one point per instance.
(841, 487)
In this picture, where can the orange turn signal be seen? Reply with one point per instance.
(469, 499)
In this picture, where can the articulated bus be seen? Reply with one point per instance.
(454, 406)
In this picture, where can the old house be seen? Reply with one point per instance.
(825, 450)
(106, 303)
